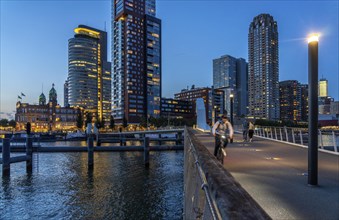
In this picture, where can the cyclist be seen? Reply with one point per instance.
(221, 127)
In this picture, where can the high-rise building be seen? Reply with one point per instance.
(324, 104)
(66, 103)
(136, 60)
(290, 100)
(263, 58)
(89, 73)
(304, 102)
(230, 74)
(323, 88)
(334, 108)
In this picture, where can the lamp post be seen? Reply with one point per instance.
(231, 114)
(313, 110)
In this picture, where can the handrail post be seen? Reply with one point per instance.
(29, 155)
(6, 152)
(271, 132)
(301, 138)
(293, 138)
(286, 134)
(90, 151)
(275, 132)
(334, 142)
(146, 151)
(321, 139)
(280, 134)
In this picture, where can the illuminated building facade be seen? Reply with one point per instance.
(323, 88)
(174, 108)
(263, 58)
(45, 117)
(66, 104)
(89, 73)
(213, 100)
(290, 100)
(304, 102)
(136, 60)
(230, 74)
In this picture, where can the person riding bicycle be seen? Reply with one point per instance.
(221, 127)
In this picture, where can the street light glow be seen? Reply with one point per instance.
(231, 95)
(313, 37)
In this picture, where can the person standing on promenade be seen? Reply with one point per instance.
(250, 130)
(245, 129)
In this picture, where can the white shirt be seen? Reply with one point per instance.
(223, 127)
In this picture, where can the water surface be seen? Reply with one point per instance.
(119, 187)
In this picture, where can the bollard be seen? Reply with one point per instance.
(29, 155)
(6, 163)
(146, 151)
(90, 152)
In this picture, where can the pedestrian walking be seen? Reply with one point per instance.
(250, 130)
(245, 126)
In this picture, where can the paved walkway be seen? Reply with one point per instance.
(275, 175)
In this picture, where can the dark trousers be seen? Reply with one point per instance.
(217, 145)
(250, 133)
(244, 134)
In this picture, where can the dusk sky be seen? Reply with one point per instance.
(34, 41)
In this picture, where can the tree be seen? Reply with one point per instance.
(88, 118)
(111, 122)
(4, 122)
(143, 121)
(80, 122)
(100, 123)
(12, 123)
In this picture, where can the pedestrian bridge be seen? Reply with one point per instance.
(263, 179)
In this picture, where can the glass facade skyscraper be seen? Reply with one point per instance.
(89, 73)
(136, 60)
(290, 100)
(230, 74)
(263, 58)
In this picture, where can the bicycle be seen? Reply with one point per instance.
(222, 148)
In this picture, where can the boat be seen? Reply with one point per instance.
(78, 135)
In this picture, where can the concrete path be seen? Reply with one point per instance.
(275, 175)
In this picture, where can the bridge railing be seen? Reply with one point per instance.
(210, 191)
(327, 140)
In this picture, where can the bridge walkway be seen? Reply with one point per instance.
(275, 175)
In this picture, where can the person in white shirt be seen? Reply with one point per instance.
(221, 127)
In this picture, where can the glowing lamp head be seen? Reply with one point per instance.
(231, 95)
(313, 38)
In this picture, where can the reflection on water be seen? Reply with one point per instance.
(119, 187)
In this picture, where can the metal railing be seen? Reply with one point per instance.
(196, 187)
(328, 140)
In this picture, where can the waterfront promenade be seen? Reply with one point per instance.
(275, 175)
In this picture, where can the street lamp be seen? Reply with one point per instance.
(231, 99)
(313, 109)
